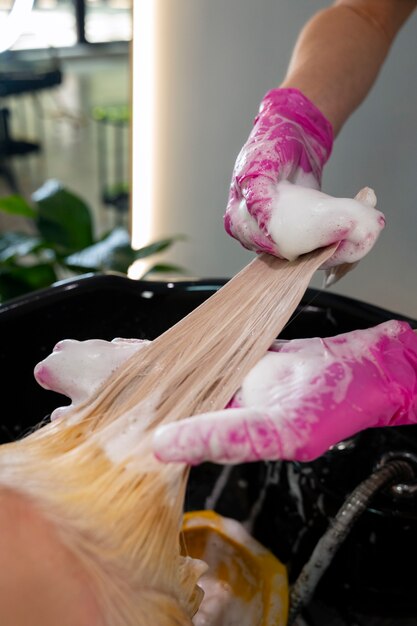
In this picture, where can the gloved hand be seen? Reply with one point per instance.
(77, 369)
(274, 204)
(304, 396)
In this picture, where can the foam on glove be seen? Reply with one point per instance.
(304, 396)
(275, 205)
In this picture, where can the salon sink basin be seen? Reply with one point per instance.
(286, 505)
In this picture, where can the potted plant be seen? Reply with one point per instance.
(61, 243)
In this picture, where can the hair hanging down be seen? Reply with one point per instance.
(121, 522)
(92, 474)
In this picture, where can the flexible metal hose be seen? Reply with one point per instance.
(322, 555)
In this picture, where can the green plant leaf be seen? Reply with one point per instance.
(65, 239)
(164, 268)
(15, 280)
(118, 114)
(17, 205)
(111, 253)
(124, 256)
(17, 245)
(64, 219)
(114, 252)
(157, 246)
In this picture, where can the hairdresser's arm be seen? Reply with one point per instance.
(335, 62)
(340, 51)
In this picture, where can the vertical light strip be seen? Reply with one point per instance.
(144, 84)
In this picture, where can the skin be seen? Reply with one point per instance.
(41, 582)
(327, 62)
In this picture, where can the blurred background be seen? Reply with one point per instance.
(215, 59)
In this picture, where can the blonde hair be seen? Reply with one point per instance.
(93, 473)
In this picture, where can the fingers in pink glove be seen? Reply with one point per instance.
(305, 396)
(76, 369)
(229, 436)
(290, 143)
(305, 219)
(291, 140)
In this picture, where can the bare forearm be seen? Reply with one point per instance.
(340, 51)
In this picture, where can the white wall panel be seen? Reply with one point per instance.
(220, 57)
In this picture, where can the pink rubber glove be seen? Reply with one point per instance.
(77, 369)
(274, 204)
(304, 396)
